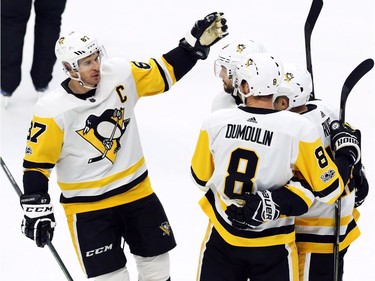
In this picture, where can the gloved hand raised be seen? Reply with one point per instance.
(344, 140)
(255, 209)
(39, 221)
(204, 34)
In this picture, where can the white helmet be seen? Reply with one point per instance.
(75, 46)
(234, 52)
(296, 86)
(263, 72)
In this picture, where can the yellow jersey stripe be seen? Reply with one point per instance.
(104, 181)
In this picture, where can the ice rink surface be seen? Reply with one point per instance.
(169, 124)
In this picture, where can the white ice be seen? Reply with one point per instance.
(169, 124)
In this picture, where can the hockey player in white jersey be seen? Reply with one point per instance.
(87, 130)
(315, 229)
(224, 67)
(246, 159)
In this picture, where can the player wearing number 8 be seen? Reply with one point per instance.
(254, 188)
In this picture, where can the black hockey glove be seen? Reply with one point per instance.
(361, 184)
(255, 209)
(204, 34)
(344, 140)
(39, 221)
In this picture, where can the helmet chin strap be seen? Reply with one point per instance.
(86, 86)
(80, 81)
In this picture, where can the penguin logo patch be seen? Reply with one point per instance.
(104, 133)
(166, 228)
(288, 77)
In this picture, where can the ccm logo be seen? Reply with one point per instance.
(99, 251)
(39, 209)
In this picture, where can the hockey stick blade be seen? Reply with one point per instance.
(49, 243)
(312, 17)
(351, 81)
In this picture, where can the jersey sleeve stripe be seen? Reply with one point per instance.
(196, 179)
(163, 72)
(34, 165)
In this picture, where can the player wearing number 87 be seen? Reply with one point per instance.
(252, 177)
(87, 129)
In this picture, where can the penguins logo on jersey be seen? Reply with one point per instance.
(104, 133)
(166, 228)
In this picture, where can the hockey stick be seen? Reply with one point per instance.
(349, 84)
(312, 17)
(49, 243)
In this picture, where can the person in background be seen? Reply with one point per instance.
(86, 128)
(315, 229)
(14, 18)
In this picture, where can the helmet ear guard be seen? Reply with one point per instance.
(296, 86)
(67, 66)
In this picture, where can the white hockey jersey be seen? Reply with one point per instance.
(315, 229)
(94, 143)
(250, 149)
